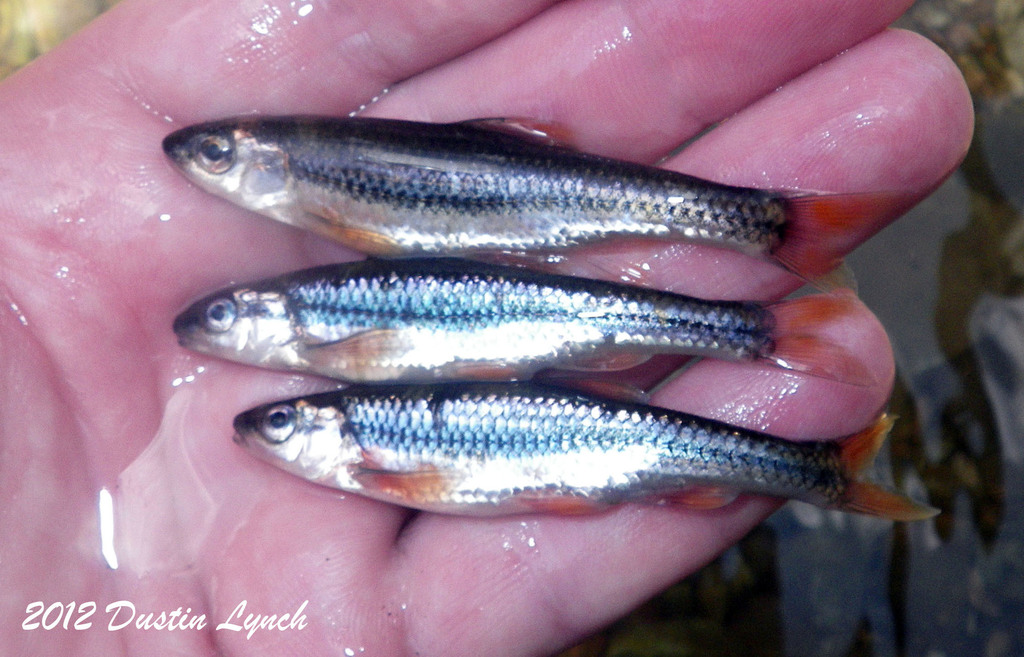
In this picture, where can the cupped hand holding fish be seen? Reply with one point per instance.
(104, 243)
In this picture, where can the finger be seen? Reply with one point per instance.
(635, 79)
(891, 114)
(310, 56)
(531, 585)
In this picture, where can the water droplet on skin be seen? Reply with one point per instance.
(375, 99)
(106, 519)
(609, 45)
(868, 116)
(17, 313)
(133, 93)
(263, 22)
(188, 378)
(524, 536)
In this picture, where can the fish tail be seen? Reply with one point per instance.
(821, 228)
(796, 347)
(856, 453)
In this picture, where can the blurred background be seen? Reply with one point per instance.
(809, 582)
(28, 28)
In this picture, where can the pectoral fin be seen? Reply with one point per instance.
(367, 241)
(371, 348)
(332, 223)
(416, 487)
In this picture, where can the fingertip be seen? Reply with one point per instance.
(954, 105)
(890, 114)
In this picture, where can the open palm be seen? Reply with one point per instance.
(103, 242)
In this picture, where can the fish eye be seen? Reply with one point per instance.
(216, 154)
(279, 423)
(220, 315)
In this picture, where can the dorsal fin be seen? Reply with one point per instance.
(543, 132)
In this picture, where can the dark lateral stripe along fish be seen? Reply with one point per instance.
(434, 319)
(389, 187)
(489, 449)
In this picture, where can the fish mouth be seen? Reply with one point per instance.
(244, 425)
(187, 327)
(183, 145)
(178, 145)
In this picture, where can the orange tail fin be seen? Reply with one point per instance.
(797, 348)
(856, 453)
(822, 228)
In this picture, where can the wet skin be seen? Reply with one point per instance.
(104, 242)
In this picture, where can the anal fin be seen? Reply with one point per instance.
(701, 497)
(562, 505)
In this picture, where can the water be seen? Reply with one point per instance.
(809, 582)
(28, 28)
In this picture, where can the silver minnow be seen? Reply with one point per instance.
(490, 449)
(436, 319)
(390, 187)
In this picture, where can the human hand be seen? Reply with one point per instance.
(104, 242)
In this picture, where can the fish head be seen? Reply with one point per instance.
(241, 324)
(302, 437)
(235, 159)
